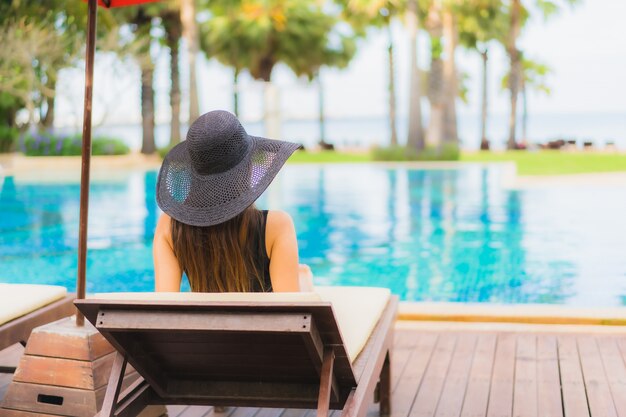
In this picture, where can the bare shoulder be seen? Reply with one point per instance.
(279, 220)
(164, 227)
(279, 226)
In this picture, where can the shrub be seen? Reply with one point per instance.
(163, 151)
(47, 144)
(109, 146)
(448, 152)
(8, 138)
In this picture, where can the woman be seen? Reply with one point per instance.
(210, 228)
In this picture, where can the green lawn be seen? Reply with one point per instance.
(528, 163)
(303, 157)
(553, 162)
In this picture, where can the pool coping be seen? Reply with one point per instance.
(511, 313)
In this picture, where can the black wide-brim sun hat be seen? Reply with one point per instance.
(219, 171)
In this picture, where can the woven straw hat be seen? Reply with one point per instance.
(218, 171)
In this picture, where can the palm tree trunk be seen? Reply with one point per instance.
(272, 111)
(524, 140)
(173, 28)
(484, 142)
(147, 109)
(450, 132)
(415, 139)
(436, 93)
(48, 120)
(190, 33)
(392, 92)
(515, 70)
(320, 101)
(236, 92)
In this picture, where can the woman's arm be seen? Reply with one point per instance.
(282, 249)
(167, 272)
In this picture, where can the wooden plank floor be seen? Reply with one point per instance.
(465, 372)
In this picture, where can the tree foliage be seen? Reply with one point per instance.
(256, 35)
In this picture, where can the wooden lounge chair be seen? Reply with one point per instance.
(249, 349)
(24, 307)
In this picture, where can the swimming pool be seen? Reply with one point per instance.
(438, 235)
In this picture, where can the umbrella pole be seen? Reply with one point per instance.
(86, 157)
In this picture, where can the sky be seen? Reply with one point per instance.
(585, 46)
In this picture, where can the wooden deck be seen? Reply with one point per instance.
(465, 371)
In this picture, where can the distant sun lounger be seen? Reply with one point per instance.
(328, 349)
(26, 306)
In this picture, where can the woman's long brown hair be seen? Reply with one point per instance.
(221, 258)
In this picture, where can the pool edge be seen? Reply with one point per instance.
(515, 313)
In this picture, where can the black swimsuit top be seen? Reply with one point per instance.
(261, 259)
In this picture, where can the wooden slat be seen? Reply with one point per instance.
(598, 391)
(270, 412)
(5, 380)
(65, 341)
(291, 412)
(525, 388)
(403, 345)
(501, 391)
(17, 413)
(477, 394)
(210, 346)
(64, 372)
(10, 356)
(603, 358)
(176, 410)
(244, 412)
(453, 394)
(548, 380)
(198, 411)
(296, 322)
(25, 397)
(430, 390)
(615, 372)
(572, 382)
(227, 392)
(326, 384)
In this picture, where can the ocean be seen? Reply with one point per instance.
(599, 128)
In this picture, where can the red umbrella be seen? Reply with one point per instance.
(86, 152)
(122, 3)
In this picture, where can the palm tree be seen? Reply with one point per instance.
(517, 17)
(142, 23)
(47, 37)
(393, 140)
(173, 32)
(515, 68)
(415, 138)
(259, 34)
(365, 13)
(450, 76)
(190, 33)
(480, 23)
(534, 76)
(436, 90)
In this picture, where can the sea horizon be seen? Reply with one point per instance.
(368, 131)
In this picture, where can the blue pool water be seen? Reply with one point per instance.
(439, 235)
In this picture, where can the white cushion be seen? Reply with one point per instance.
(17, 300)
(357, 309)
